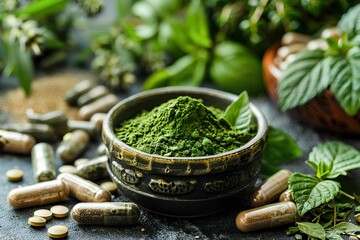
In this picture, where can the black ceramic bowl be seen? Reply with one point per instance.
(182, 186)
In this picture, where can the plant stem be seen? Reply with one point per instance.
(347, 195)
(334, 220)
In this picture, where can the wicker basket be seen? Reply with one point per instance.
(323, 112)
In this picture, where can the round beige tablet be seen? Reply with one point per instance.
(59, 211)
(80, 161)
(67, 169)
(14, 175)
(44, 213)
(57, 231)
(37, 221)
(109, 186)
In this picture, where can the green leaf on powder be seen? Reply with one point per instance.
(238, 113)
(312, 229)
(309, 192)
(333, 158)
(280, 147)
(304, 78)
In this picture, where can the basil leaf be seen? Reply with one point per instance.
(350, 22)
(304, 78)
(312, 229)
(309, 192)
(280, 147)
(197, 24)
(238, 113)
(345, 227)
(333, 158)
(346, 81)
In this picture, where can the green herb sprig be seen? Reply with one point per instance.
(321, 203)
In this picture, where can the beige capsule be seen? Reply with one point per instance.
(73, 144)
(43, 162)
(67, 169)
(13, 142)
(106, 213)
(268, 216)
(98, 119)
(91, 128)
(94, 169)
(332, 32)
(285, 196)
(84, 190)
(284, 51)
(41, 132)
(317, 44)
(72, 95)
(80, 161)
(38, 194)
(92, 95)
(293, 37)
(101, 105)
(271, 189)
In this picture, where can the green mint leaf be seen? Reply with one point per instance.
(304, 78)
(238, 113)
(346, 81)
(312, 229)
(42, 8)
(197, 24)
(345, 227)
(350, 22)
(309, 192)
(333, 158)
(280, 147)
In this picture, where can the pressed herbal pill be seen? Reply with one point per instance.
(67, 169)
(72, 145)
(38, 194)
(72, 95)
(59, 211)
(94, 169)
(109, 186)
(98, 119)
(80, 161)
(92, 95)
(84, 190)
(107, 213)
(268, 216)
(87, 126)
(57, 231)
(43, 162)
(56, 119)
(271, 189)
(37, 221)
(41, 132)
(101, 105)
(13, 142)
(285, 196)
(44, 213)
(14, 175)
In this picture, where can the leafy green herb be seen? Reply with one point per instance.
(312, 229)
(350, 23)
(341, 228)
(238, 113)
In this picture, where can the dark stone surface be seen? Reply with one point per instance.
(13, 223)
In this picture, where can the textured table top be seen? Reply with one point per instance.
(13, 223)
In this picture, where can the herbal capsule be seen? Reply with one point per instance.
(91, 128)
(107, 213)
(80, 161)
(330, 33)
(84, 190)
(41, 132)
(94, 169)
(72, 95)
(101, 105)
(292, 37)
(73, 144)
(38, 194)
(285, 196)
(92, 95)
(101, 150)
(271, 189)
(43, 162)
(268, 216)
(98, 119)
(284, 51)
(56, 119)
(13, 142)
(317, 44)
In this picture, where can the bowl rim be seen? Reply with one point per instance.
(108, 132)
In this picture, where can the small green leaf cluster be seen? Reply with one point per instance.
(319, 199)
(337, 69)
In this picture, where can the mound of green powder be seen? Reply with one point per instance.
(181, 127)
